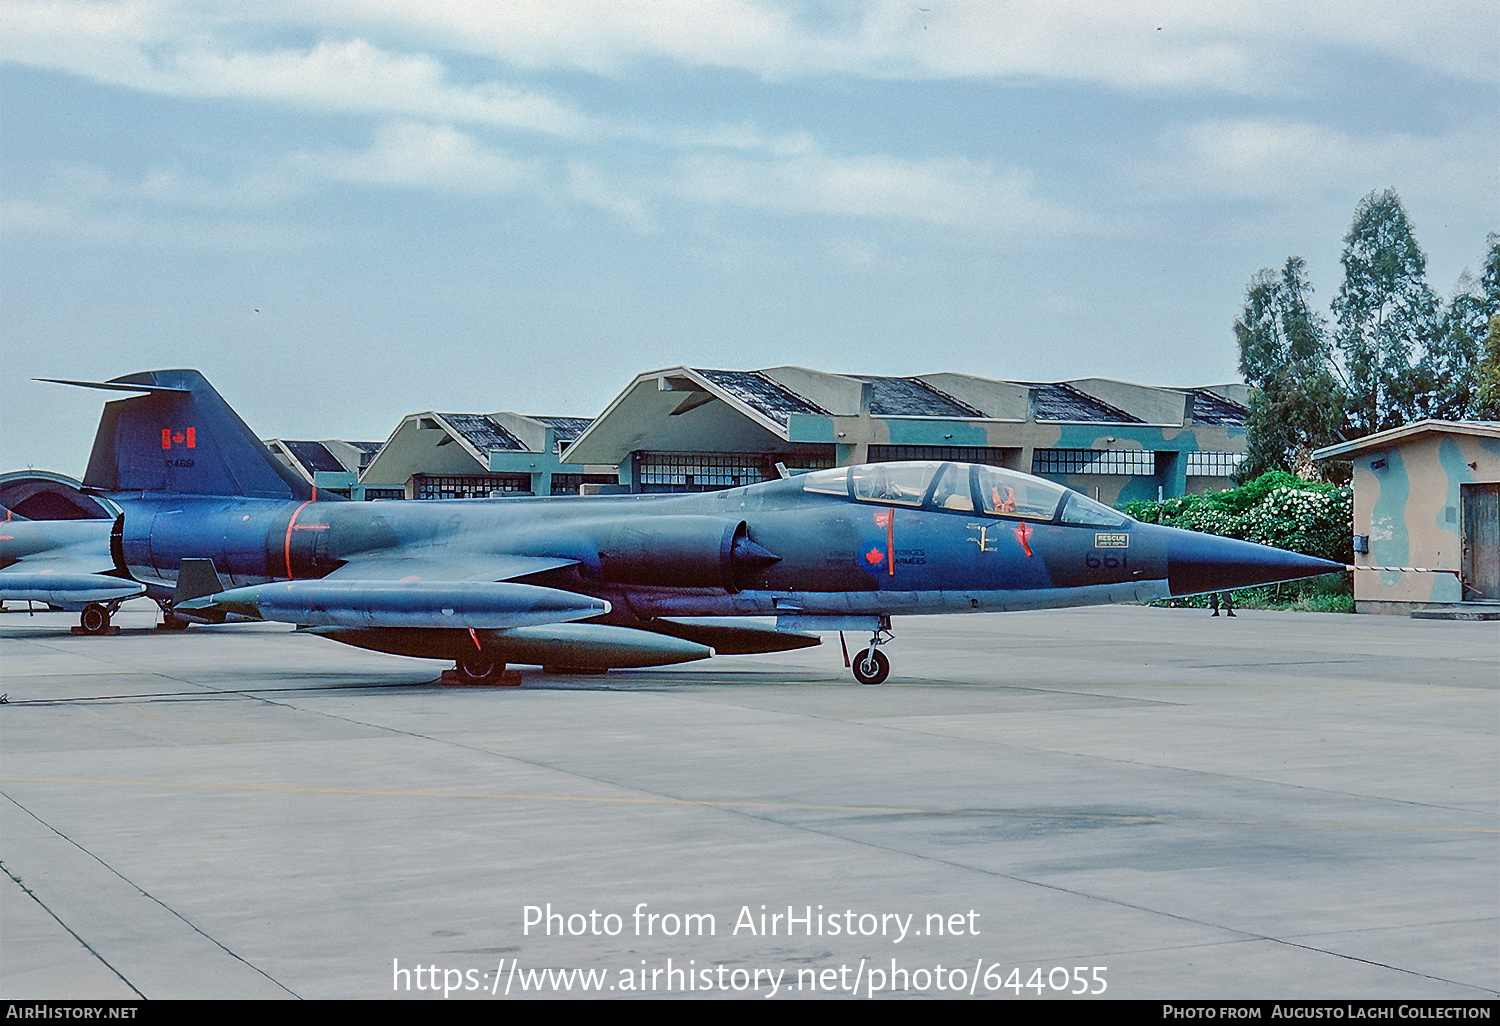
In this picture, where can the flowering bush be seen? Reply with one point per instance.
(1277, 509)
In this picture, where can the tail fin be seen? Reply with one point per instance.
(181, 438)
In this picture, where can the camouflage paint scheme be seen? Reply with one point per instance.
(1408, 501)
(511, 579)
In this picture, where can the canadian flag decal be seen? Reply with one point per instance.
(188, 437)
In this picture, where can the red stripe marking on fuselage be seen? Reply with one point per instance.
(287, 549)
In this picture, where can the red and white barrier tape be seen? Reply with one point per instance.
(1404, 569)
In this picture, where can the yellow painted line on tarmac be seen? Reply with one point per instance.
(1121, 818)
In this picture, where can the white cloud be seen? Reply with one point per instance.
(972, 197)
(425, 156)
(121, 226)
(1281, 160)
(374, 55)
(1234, 44)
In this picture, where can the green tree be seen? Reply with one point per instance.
(1387, 316)
(1487, 397)
(1296, 401)
(1448, 375)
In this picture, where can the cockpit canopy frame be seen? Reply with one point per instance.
(967, 488)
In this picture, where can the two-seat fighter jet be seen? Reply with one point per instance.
(64, 563)
(215, 528)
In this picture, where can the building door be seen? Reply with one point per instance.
(1481, 560)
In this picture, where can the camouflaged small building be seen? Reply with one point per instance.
(1426, 496)
(696, 429)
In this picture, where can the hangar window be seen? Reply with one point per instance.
(1214, 464)
(569, 484)
(1139, 462)
(991, 455)
(471, 487)
(698, 472)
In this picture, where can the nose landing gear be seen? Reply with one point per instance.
(870, 665)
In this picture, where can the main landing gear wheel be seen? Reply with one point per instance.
(94, 619)
(173, 623)
(478, 667)
(871, 666)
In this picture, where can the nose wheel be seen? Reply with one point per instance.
(870, 665)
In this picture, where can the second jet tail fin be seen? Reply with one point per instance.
(178, 436)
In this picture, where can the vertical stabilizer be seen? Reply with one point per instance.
(179, 437)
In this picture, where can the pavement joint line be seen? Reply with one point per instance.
(71, 932)
(145, 894)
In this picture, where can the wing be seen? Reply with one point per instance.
(428, 565)
(64, 563)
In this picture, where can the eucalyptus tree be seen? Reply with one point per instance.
(1296, 398)
(1387, 316)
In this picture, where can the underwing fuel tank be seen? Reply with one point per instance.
(67, 591)
(424, 604)
(581, 645)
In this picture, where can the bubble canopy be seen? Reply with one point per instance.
(963, 488)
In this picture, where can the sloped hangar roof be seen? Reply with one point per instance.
(1211, 408)
(913, 397)
(482, 433)
(644, 414)
(774, 401)
(1060, 401)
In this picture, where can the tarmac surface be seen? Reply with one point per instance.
(1151, 802)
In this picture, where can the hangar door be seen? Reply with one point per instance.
(1481, 562)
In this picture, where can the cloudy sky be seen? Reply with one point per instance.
(347, 211)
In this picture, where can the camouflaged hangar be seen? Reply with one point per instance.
(697, 429)
(1426, 497)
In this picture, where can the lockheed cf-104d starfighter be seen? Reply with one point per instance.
(216, 529)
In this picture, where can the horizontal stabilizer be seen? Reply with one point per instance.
(116, 386)
(461, 604)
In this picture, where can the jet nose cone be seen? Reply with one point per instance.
(1197, 563)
